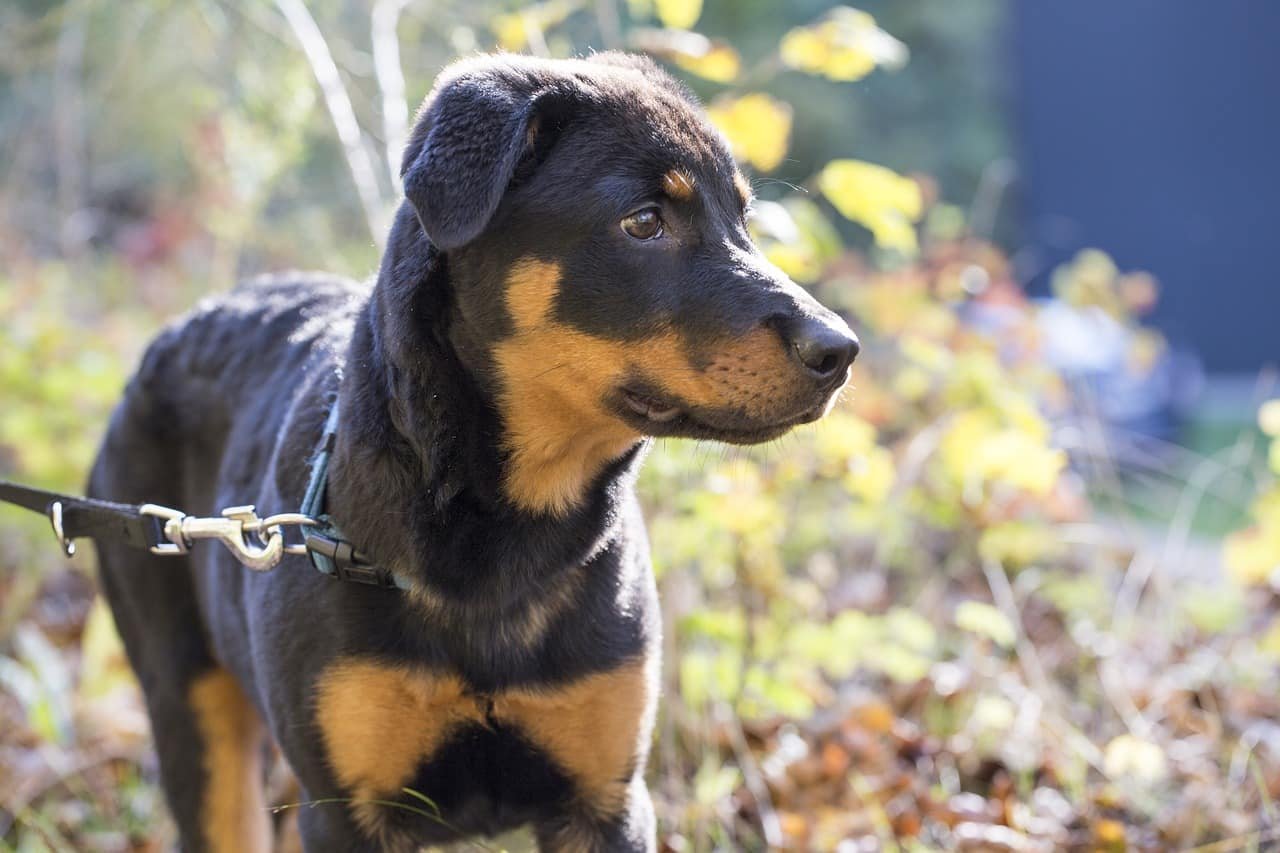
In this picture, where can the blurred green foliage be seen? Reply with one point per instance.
(907, 627)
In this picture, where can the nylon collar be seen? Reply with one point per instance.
(329, 550)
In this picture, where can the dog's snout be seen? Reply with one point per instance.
(824, 349)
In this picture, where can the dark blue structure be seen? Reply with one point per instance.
(1151, 129)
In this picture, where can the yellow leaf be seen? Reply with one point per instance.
(679, 14)
(1017, 543)
(978, 617)
(1134, 758)
(1270, 642)
(844, 45)
(979, 448)
(719, 63)
(841, 437)
(757, 127)
(710, 58)
(796, 261)
(1269, 418)
(878, 198)
(512, 28)
(993, 713)
(1252, 555)
(872, 476)
(795, 236)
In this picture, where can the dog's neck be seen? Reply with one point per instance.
(419, 462)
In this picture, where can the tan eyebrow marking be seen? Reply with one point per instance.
(678, 185)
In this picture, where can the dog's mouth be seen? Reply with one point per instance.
(650, 408)
(657, 415)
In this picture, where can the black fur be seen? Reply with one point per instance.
(511, 158)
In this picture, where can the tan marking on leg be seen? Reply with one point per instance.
(678, 185)
(596, 729)
(233, 816)
(288, 834)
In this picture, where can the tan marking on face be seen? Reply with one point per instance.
(743, 187)
(532, 286)
(596, 729)
(233, 815)
(555, 379)
(557, 430)
(678, 185)
(381, 722)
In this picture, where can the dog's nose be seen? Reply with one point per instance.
(825, 350)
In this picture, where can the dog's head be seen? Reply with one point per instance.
(594, 226)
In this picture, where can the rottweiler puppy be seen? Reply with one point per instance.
(570, 274)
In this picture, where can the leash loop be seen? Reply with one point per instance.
(55, 519)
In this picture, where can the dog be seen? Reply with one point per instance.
(570, 275)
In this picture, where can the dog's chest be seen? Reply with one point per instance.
(388, 726)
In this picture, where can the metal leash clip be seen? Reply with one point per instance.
(233, 529)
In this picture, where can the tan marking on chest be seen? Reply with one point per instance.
(233, 814)
(596, 729)
(380, 723)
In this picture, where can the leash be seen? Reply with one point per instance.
(256, 543)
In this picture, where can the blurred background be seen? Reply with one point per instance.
(1016, 593)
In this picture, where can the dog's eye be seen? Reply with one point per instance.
(643, 224)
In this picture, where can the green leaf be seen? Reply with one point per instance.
(981, 618)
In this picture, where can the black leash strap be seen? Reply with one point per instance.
(89, 518)
(257, 543)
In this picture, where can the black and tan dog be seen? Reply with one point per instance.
(570, 274)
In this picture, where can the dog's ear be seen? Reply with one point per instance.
(482, 121)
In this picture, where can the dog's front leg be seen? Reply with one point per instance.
(630, 830)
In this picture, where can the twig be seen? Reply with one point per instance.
(390, 74)
(992, 186)
(68, 128)
(1251, 840)
(610, 28)
(1029, 659)
(751, 775)
(534, 35)
(340, 111)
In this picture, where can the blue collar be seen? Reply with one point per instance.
(329, 550)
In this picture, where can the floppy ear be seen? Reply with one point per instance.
(470, 136)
